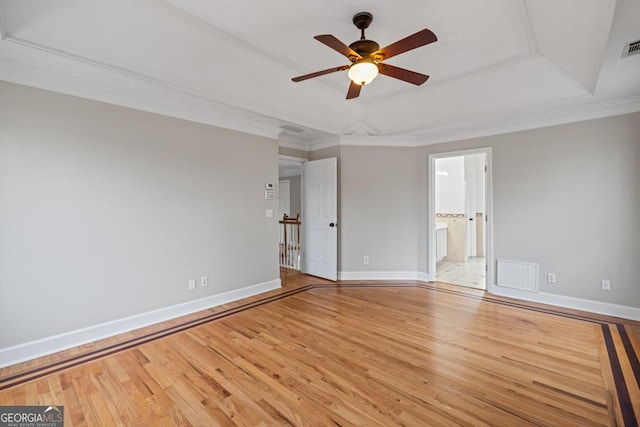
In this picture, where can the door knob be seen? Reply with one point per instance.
(332, 224)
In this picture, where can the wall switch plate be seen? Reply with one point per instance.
(365, 259)
(551, 277)
(268, 213)
(606, 285)
(192, 284)
(204, 281)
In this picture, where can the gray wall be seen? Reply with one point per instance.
(106, 212)
(566, 197)
(378, 208)
(292, 152)
(325, 153)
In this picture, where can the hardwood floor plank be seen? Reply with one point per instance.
(368, 353)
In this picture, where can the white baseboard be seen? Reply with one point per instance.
(379, 275)
(424, 277)
(38, 348)
(615, 310)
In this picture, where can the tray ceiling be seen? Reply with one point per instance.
(498, 65)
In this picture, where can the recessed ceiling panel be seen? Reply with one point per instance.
(506, 89)
(465, 42)
(573, 34)
(223, 59)
(15, 13)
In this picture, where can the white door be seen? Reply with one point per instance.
(320, 218)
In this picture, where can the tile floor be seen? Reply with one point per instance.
(470, 274)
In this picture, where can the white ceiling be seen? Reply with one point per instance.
(499, 65)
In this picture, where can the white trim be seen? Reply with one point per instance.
(380, 275)
(360, 128)
(149, 95)
(289, 174)
(28, 63)
(379, 141)
(549, 114)
(609, 309)
(292, 158)
(42, 347)
(424, 277)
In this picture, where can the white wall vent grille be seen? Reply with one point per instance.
(518, 275)
(632, 48)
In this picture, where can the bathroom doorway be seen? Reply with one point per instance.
(458, 213)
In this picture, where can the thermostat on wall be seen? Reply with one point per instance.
(269, 186)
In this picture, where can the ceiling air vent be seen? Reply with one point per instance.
(291, 128)
(631, 48)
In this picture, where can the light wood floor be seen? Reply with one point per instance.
(357, 353)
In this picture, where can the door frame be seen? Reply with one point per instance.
(489, 279)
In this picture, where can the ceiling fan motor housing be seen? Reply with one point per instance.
(364, 48)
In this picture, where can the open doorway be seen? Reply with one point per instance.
(290, 211)
(459, 208)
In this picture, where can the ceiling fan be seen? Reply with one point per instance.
(366, 57)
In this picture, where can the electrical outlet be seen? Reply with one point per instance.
(551, 277)
(192, 284)
(204, 281)
(365, 259)
(606, 284)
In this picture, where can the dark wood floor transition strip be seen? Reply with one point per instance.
(631, 353)
(79, 359)
(626, 406)
(622, 391)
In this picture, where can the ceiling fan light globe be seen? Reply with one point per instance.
(363, 72)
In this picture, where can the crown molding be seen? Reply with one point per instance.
(379, 141)
(59, 72)
(361, 128)
(548, 116)
(88, 79)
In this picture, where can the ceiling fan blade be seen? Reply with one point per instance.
(354, 90)
(413, 41)
(337, 45)
(402, 74)
(320, 73)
